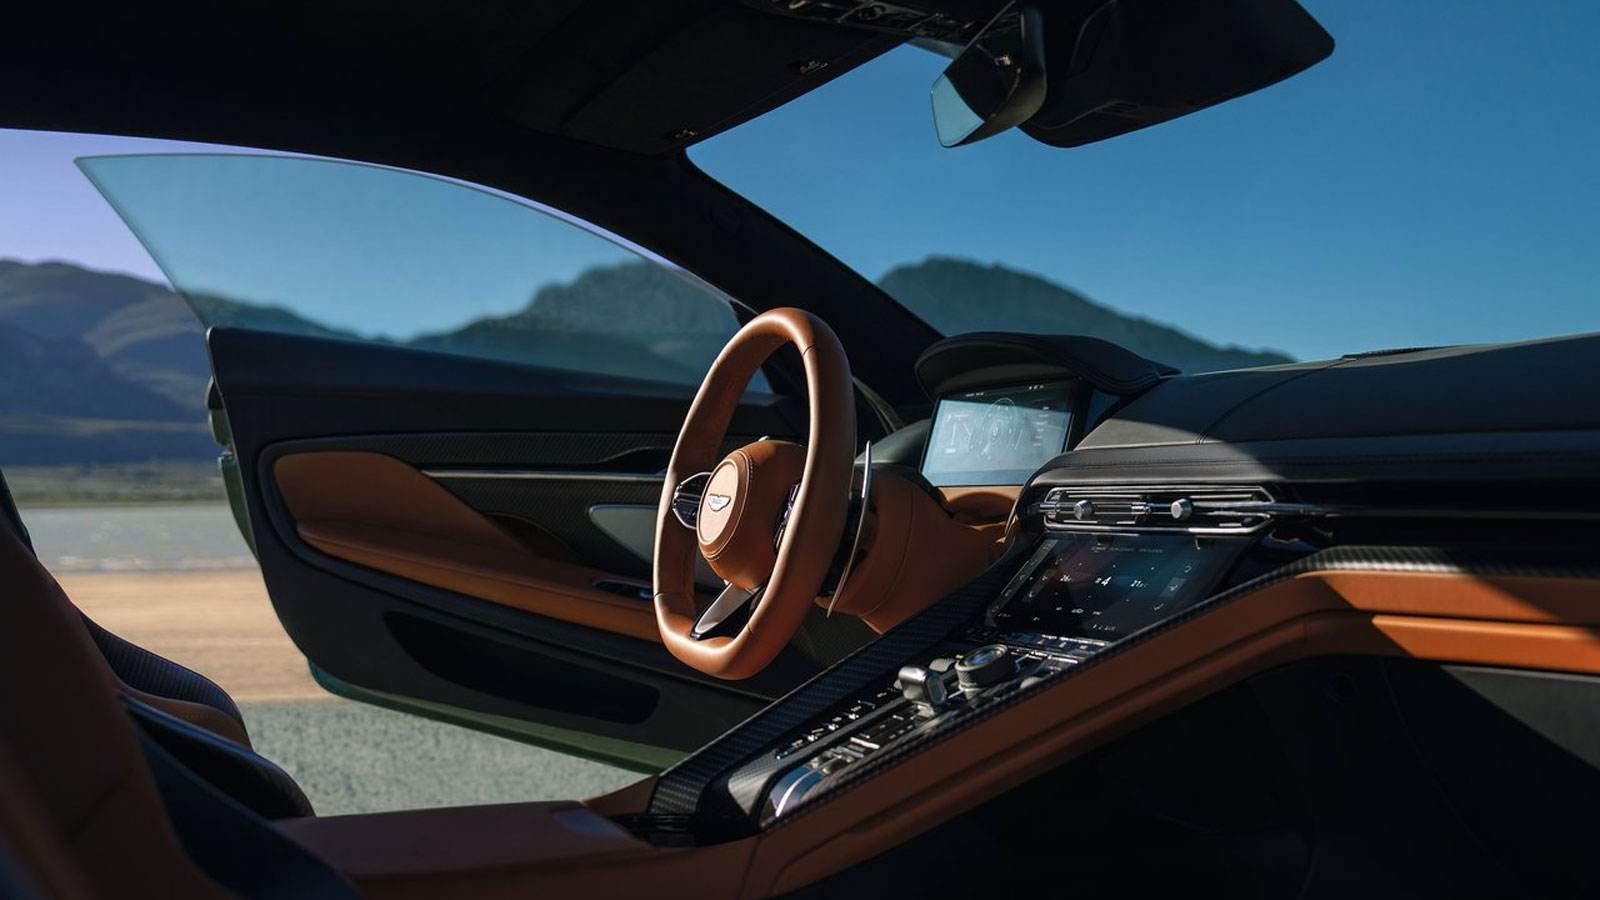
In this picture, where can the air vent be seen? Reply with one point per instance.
(1192, 509)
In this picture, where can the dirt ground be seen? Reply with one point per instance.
(218, 623)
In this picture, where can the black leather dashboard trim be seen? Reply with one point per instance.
(1509, 389)
(990, 356)
(1473, 456)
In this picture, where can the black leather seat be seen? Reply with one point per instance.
(93, 804)
(186, 713)
(103, 794)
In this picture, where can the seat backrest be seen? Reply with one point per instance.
(65, 731)
(72, 745)
(34, 863)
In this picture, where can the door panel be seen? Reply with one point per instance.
(441, 534)
(379, 512)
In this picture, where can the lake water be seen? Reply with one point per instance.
(170, 538)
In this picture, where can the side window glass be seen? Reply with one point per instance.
(337, 249)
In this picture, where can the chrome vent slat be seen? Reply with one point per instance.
(1196, 509)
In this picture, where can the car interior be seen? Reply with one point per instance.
(871, 609)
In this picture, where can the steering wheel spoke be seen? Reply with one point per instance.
(861, 507)
(728, 613)
(686, 498)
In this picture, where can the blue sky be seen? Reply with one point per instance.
(1437, 180)
(1434, 182)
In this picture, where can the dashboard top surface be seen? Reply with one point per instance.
(1522, 411)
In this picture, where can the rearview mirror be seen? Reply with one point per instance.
(1070, 78)
(996, 83)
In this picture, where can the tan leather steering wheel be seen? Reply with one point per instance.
(736, 506)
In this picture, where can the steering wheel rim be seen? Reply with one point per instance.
(815, 523)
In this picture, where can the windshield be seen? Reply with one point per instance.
(1431, 183)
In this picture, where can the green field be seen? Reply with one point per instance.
(99, 484)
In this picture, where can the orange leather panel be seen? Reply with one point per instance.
(980, 505)
(381, 491)
(513, 578)
(1508, 598)
(379, 512)
(916, 555)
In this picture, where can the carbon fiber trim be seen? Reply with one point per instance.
(1372, 559)
(145, 671)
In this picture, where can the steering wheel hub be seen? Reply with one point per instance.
(742, 505)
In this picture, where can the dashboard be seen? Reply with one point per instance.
(1150, 501)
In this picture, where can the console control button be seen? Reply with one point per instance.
(923, 687)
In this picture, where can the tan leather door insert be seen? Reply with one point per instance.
(379, 512)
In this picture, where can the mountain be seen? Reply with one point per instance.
(102, 367)
(633, 319)
(958, 295)
(137, 328)
(140, 330)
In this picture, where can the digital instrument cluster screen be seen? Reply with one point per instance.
(1107, 586)
(999, 436)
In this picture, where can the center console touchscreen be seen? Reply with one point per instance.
(1107, 586)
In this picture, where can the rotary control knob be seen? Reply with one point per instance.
(1182, 509)
(1083, 511)
(984, 666)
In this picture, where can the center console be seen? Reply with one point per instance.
(1074, 594)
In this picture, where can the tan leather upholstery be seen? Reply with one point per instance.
(981, 505)
(916, 554)
(72, 748)
(817, 521)
(754, 481)
(379, 512)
